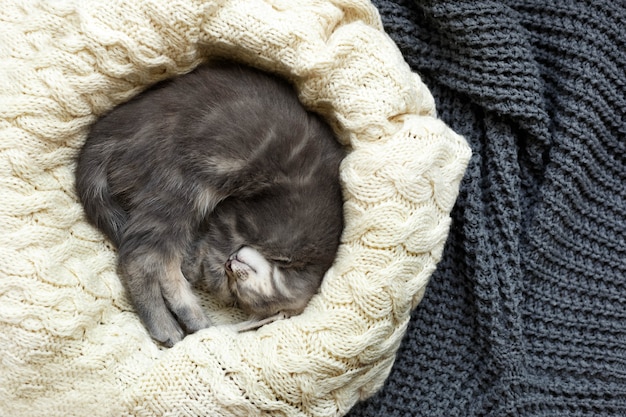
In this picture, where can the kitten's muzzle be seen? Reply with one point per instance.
(237, 269)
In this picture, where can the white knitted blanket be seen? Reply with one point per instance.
(70, 343)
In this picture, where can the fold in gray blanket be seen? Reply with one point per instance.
(526, 315)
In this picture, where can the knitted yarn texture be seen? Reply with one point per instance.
(71, 344)
(526, 313)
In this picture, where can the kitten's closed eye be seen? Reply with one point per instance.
(282, 262)
(281, 259)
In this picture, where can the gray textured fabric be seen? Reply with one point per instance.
(526, 315)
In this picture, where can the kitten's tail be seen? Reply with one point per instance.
(93, 189)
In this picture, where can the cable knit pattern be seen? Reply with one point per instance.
(526, 313)
(71, 344)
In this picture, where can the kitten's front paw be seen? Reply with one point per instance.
(182, 301)
(193, 323)
(170, 332)
(166, 332)
(167, 305)
(168, 338)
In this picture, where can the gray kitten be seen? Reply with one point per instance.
(219, 175)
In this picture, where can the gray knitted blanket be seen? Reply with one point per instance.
(526, 315)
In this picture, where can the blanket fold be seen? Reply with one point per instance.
(525, 314)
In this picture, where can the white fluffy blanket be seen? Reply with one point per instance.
(70, 342)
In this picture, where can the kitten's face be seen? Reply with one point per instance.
(264, 286)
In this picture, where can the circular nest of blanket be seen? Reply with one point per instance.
(72, 344)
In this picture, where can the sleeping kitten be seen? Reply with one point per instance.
(218, 175)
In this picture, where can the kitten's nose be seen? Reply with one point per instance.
(228, 266)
